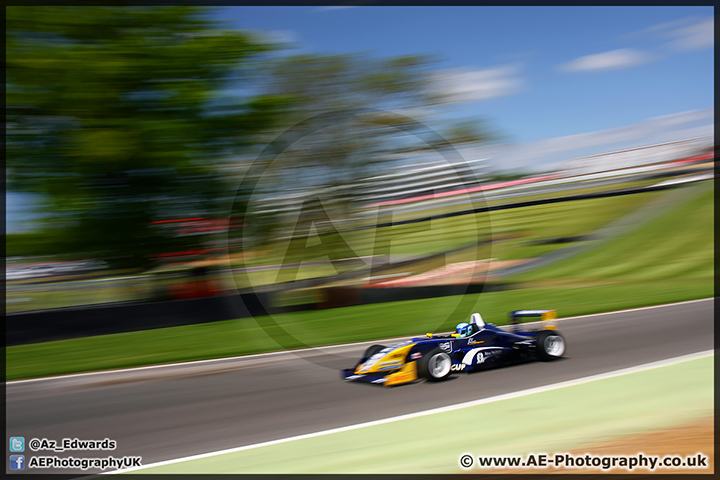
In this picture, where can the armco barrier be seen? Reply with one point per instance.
(72, 322)
(92, 320)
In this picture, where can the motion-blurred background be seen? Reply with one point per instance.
(180, 165)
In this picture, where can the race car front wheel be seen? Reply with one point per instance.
(550, 345)
(435, 365)
(371, 351)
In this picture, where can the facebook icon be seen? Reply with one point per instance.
(17, 462)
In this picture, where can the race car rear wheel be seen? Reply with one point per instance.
(550, 345)
(435, 365)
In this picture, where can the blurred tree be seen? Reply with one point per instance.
(349, 117)
(27, 244)
(121, 116)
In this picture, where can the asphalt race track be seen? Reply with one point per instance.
(176, 411)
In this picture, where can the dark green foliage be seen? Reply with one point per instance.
(115, 116)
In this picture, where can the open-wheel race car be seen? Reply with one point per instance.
(472, 346)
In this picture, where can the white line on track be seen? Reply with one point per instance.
(299, 351)
(449, 408)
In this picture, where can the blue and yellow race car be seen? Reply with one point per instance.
(474, 345)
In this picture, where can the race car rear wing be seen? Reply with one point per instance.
(548, 317)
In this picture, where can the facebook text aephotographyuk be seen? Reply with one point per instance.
(84, 463)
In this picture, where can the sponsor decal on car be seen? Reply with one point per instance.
(388, 365)
(446, 346)
(481, 354)
(415, 356)
(457, 367)
(485, 355)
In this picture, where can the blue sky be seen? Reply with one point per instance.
(536, 73)
(556, 82)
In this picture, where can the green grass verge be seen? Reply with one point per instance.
(527, 223)
(69, 295)
(677, 245)
(668, 260)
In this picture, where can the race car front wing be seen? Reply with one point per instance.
(406, 374)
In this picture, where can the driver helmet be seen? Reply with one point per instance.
(463, 329)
